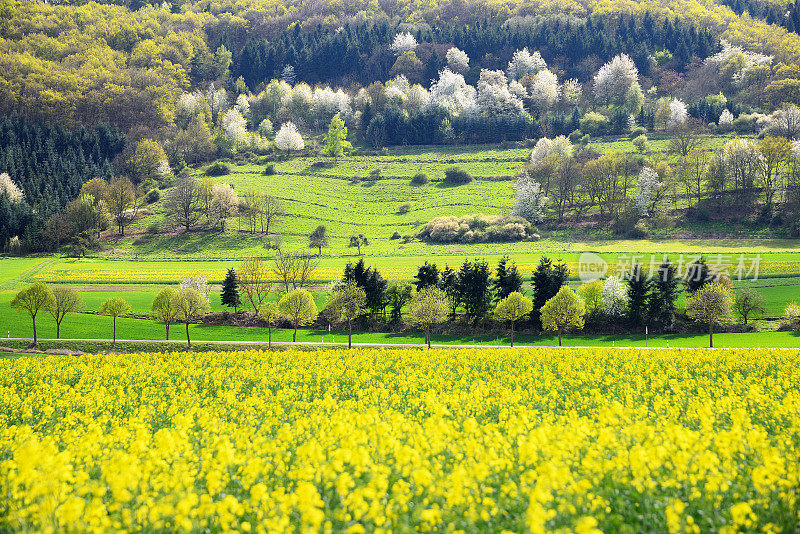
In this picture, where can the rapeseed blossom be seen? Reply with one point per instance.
(529, 440)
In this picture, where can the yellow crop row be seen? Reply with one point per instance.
(402, 440)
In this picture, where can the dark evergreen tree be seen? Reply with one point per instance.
(371, 281)
(638, 296)
(697, 275)
(473, 289)
(547, 280)
(230, 291)
(427, 275)
(396, 297)
(507, 279)
(665, 291)
(449, 284)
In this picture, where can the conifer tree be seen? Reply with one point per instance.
(230, 291)
(638, 296)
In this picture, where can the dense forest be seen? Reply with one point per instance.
(133, 93)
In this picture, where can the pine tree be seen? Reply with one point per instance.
(638, 295)
(696, 275)
(473, 289)
(230, 291)
(427, 275)
(508, 279)
(666, 289)
(547, 280)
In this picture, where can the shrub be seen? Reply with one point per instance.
(477, 228)
(152, 196)
(456, 176)
(404, 208)
(420, 179)
(636, 132)
(375, 174)
(575, 136)
(585, 140)
(218, 169)
(640, 142)
(269, 170)
(396, 235)
(594, 123)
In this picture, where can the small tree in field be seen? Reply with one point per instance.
(190, 305)
(428, 307)
(318, 239)
(359, 241)
(269, 312)
(348, 302)
(563, 310)
(230, 291)
(336, 143)
(513, 308)
(288, 138)
(710, 305)
(299, 307)
(31, 300)
(164, 309)
(114, 307)
(65, 300)
(747, 302)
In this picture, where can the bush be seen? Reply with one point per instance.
(594, 123)
(420, 179)
(395, 235)
(375, 174)
(457, 176)
(152, 196)
(636, 132)
(269, 170)
(575, 135)
(640, 142)
(218, 169)
(404, 208)
(477, 228)
(585, 140)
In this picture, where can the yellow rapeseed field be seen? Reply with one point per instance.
(403, 440)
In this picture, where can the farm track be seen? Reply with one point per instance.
(26, 275)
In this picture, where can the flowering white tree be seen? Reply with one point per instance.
(678, 115)
(530, 200)
(545, 147)
(726, 119)
(8, 187)
(326, 103)
(649, 182)
(198, 283)
(571, 92)
(243, 105)
(288, 138)
(544, 90)
(615, 78)
(299, 101)
(523, 62)
(224, 203)
(494, 96)
(217, 100)
(417, 98)
(403, 42)
(452, 93)
(615, 297)
(457, 60)
(187, 106)
(235, 127)
(744, 163)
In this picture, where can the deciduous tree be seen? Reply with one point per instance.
(563, 310)
(710, 305)
(114, 307)
(65, 300)
(31, 300)
(428, 307)
(513, 308)
(298, 306)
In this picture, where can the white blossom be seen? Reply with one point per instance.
(546, 147)
(612, 81)
(8, 187)
(417, 98)
(326, 103)
(451, 92)
(523, 62)
(615, 297)
(678, 114)
(494, 96)
(198, 283)
(530, 199)
(288, 138)
(544, 90)
(649, 182)
(457, 60)
(725, 118)
(224, 202)
(235, 126)
(403, 42)
(571, 92)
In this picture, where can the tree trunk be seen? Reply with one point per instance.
(428, 336)
(349, 334)
(188, 341)
(512, 333)
(58, 329)
(270, 337)
(710, 336)
(34, 330)
(115, 330)
(559, 337)
(294, 335)
(167, 325)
